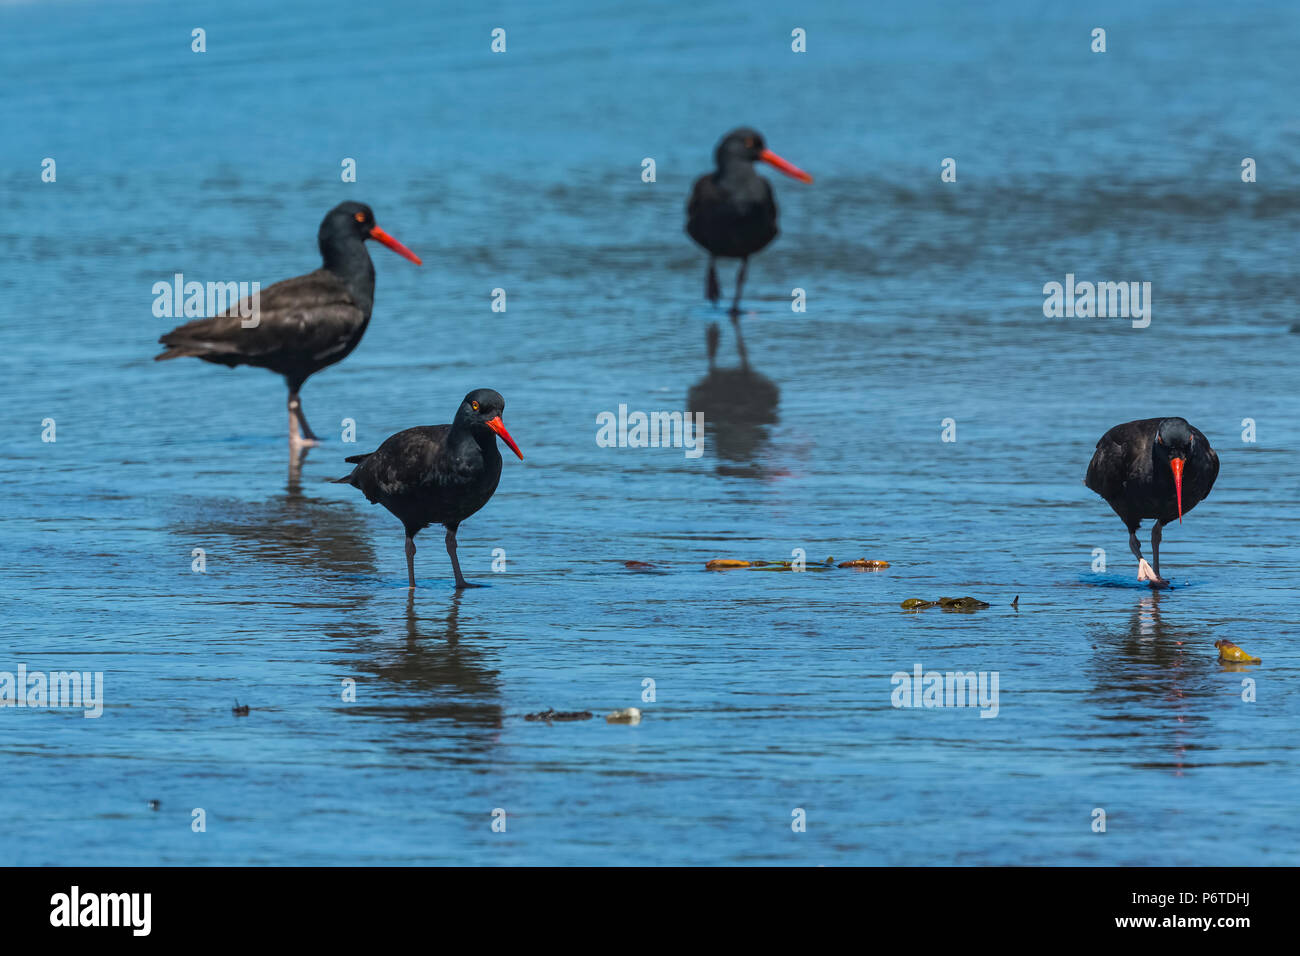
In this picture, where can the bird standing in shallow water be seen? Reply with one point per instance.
(437, 474)
(300, 325)
(732, 214)
(1158, 468)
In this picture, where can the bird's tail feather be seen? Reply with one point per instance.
(351, 460)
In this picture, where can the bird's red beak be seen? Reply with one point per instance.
(397, 247)
(790, 169)
(499, 427)
(1176, 464)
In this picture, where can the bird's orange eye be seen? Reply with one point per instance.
(474, 405)
(749, 142)
(360, 217)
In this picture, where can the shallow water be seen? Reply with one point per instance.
(772, 690)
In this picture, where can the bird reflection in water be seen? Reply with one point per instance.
(1147, 674)
(1150, 639)
(739, 404)
(431, 674)
(295, 529)
(297, 456)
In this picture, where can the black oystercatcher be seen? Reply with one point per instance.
(300, 325)
(731, 212)
(437, 474)
(1158, 468)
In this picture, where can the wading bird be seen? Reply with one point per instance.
(437, 474)
(1158, 468)
(300, 325)
(732, 214)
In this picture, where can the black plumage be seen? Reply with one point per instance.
(300, 325)
(732, 211)
(437, 474)
(1155, 468)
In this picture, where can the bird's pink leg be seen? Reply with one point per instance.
(1145, 571)
(296, 417)
(711, 290)
(1156, 580)
(455, 563)
(740, 284)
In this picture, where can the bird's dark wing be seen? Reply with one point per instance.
(313, 316)
(1108, 469)
(405, 462)
(1208, 472)
(704, 195)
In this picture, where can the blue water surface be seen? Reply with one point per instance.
(522, 171)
